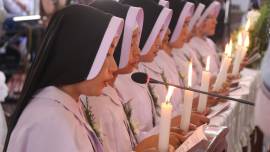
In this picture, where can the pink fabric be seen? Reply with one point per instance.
(134, 17)
(182, 66)
(168, 65)
(111, 120)
(52, 122)
(155, 72)
(138, 98)
(205, 48)
(162, 22)
(114, 29)
(186, 12)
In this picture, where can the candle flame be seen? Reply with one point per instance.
(239, 39)
(247, 25)
(228, 49)
(169, 94)
(207, 64)
(246, 43)
(190, 74)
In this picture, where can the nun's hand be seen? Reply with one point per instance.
(175, 123)
(199, 119)
(212, 101)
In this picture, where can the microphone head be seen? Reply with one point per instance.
(140, 77)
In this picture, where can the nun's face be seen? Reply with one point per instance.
(134, 55)
(209, 25)
(183, 35)
(152, 53)
(106, 75)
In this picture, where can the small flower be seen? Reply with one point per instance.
(90, 118)
(135, 125)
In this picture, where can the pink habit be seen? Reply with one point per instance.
(53, 122)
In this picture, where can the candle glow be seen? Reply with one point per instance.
(228, 49)
(247, 25)
(169, 94)
(239, 39)
(246, 43)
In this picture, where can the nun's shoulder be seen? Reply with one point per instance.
(42, 127)
(43, 111)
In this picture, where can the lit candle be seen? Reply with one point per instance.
(245, 42)
(188, 99)
(247, 26)
(237, 58)
(225, 64)
(165, 122)
(204, 87)
(245, 48)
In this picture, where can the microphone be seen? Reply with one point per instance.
(142, 78)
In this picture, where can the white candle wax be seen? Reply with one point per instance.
(237, 62)
(204, 87)
(164, 127)
(188, 99)
(245, 46)
(243, 54)
(228, 64)
(185, 118)
(218, 82)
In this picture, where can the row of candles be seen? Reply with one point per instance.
(166, 107)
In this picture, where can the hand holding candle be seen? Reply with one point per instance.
(165, 122)
(204, 87)
(188, 99)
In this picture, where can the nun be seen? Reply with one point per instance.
(144, 109)
(50, 116)
(117, 132)
(182, 52)
(164, 59)
(205, 27)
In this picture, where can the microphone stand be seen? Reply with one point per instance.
(203, 92)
